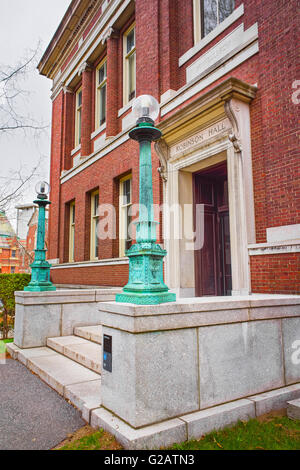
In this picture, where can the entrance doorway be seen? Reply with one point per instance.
(213, 260)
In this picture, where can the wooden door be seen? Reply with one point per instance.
(213, 261)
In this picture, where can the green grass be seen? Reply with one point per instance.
(99, 440)
(279, 433)
(2, 344)
(271, 433)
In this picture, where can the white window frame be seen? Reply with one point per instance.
(123, 208)
(99, 86)
(78, 118)
(198, 20)
(94, 223)
(126, 57)
(72, 232)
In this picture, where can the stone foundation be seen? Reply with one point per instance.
(179, 358)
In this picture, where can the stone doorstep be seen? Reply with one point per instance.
(293, 409)
(91, 333)
(79, 350)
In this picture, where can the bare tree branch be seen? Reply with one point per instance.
(14, 185)
(11, 92)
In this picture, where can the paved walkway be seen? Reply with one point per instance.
(32, 415)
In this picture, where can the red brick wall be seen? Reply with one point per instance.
(116, 275)
(55, 172)
(276, 273)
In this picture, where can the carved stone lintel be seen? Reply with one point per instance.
(84, 67)
(162, 151)
(234, 136)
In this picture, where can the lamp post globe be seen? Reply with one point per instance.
(145, 107)
(42, 189)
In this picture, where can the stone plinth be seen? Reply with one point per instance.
(178, 358)
(42, 315)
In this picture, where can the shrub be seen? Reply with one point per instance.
(9, 284)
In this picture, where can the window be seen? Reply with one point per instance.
(208, 14)
(13, 253)
(94, 225)
(125, 219)
(129, 64)
(101, 79)
(72, 232)
(78, 113)
(13, 269)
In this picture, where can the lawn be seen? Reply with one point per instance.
(277, 433)
(266, 433)
(2, 344)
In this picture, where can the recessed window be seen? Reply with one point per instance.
(72, 232)
(129, 65)
(125, 240)
(101, 80)
(78, 115)
(94, 225)
(208, 14)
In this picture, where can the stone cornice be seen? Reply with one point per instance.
(76, 18)
(213, 99)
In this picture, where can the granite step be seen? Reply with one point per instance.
(293, 409)
(75, 382)
(78, 349)
(91, 333)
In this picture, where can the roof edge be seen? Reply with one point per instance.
(58, 35)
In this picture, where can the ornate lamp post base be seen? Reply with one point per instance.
(40, 277)
(146, 285)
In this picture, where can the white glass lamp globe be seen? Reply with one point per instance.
(145, 106)
(42, 188)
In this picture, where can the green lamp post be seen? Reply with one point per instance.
(40, 268)
(145, 285)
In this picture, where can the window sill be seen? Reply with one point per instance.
(83, 264)
(236, 14)
(98, 131)
(75, 150)
(125, 108)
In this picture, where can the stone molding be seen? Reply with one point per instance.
(198, 312)
(84, 67)
(275, 248)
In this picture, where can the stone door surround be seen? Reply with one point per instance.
(213, 128)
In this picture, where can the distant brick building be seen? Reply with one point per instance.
(225, 75)
(12, 253)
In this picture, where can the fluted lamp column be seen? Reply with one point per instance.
(145, 285)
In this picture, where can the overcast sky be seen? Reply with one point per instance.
(23, 23)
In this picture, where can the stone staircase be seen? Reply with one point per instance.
(71, 365)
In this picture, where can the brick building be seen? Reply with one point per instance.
(225, 75)
(12, 252)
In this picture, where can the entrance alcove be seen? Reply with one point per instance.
(212, 133)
